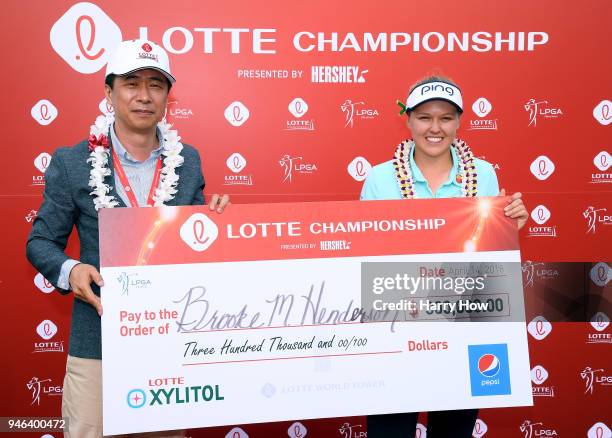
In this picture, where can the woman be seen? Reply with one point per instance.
(434, 164)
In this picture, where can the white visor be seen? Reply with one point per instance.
(435, 91)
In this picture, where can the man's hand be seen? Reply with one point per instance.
(81, 277)
(515, 208)
(219, 202)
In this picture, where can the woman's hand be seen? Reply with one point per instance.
(515, 208)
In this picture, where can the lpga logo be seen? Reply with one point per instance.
(348, 430)
(591, 379)
(531, 430)
(350, 110)
(603, 112)
(199, 232)
(293, 164)
(84, 37)
(596, 215)
(536, 109)
(35, 385)
(237, 114)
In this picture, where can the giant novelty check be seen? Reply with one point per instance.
(277, 312)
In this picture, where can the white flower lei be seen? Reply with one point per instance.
(100, 150)
(466, 169)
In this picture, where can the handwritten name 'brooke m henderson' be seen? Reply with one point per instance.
(197, 313)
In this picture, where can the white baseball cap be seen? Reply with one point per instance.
(135, 55)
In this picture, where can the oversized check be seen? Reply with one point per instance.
(277, 312)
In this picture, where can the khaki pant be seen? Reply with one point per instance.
(82, 401)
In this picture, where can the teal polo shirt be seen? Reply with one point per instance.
(381, 182)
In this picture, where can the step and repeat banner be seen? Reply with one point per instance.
(296, 102)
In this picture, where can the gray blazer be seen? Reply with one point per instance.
(67, 203)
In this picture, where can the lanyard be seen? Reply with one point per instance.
(126, 184)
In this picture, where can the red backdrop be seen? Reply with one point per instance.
(502, 55)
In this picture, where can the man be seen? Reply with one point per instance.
(119, 166)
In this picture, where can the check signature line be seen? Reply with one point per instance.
(294, 357)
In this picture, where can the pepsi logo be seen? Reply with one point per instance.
(489, 365)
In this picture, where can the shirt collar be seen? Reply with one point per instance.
(124, 155)
(417, 175)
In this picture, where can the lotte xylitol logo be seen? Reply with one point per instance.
(489, 369)
(199, 232)
(84, 37)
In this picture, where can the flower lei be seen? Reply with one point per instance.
(99, 149)
(466, 168)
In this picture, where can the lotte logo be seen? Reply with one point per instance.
(540, 214)
(199, 232)
(603, 161)
(236, 162)
(603, 112)
(46, 329)
(42, 162)
(297, 430)
(237, 432)
(600, 321)
(539, 374)
(298, 107)
(482, 107)
(44, 112)
(539, 327)
(43, 284)
(236, 113)
(359, 168)
(84, 37)
(480, 429)
(599, 430)
(601, 274)
(542, 167)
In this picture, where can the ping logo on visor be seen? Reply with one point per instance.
(433, 91)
